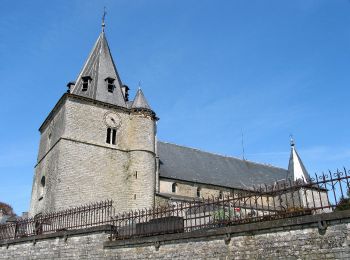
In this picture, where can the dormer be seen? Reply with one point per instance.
(70, 85)
(125, 90)
(110, 84)
(86, 80)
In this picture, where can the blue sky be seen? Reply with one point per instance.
(210, 70)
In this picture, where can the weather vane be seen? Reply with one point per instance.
(140, 84)
(291, 140)
(103, 19)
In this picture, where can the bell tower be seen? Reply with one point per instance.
(96, 144)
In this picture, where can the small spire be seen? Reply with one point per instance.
(103, 19)
(296, 168)
(140, 100)
(139, 87)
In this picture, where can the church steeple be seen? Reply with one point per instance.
(296, 167)
(99, 78)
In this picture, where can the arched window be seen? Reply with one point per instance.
(108, 138)
(111, 136)
(174, 188)
(220, 195)
(198, 192)
(114, 135)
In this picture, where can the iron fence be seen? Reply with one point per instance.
(75, 218)
(323, 194)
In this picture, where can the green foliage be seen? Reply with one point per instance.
(344, 203)
(222, 214)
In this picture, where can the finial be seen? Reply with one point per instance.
(243, 157)
(103, 19)
(291, 140)
(139, 85)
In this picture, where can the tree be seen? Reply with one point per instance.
(344, 203)
(6, 209)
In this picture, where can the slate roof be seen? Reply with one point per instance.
(140, 100)
(99, 66)
(188, 164)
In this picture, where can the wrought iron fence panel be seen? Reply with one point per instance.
(324, 193)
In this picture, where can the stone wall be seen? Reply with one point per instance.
(81, 168)
(189, 189)
(325, 236)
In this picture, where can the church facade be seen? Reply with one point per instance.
(96, 144)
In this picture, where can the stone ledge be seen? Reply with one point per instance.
(224, 233)
(63, 233)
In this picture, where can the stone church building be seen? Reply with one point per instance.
(98, 144)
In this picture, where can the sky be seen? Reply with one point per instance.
(210, 69)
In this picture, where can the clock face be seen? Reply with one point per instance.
(112, 120)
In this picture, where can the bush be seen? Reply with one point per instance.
(222, 215)
(343, 204)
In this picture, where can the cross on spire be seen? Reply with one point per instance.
(292, 143)
(103, 19)
(139, 84)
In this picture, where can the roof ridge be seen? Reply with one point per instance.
(217, 154)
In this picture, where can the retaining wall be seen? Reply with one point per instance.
(324, 236)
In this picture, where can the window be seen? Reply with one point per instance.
(220, 195)
(85, 86)
(42, 186)
(42, 181)
(198, 192)
(174, 187)
(110, 84)
(108, 139)
(86, 82)
(111, 136)
(114, 134)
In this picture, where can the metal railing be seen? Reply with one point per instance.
(323, 194)
(75, 218)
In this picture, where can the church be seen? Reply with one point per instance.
(98, 144)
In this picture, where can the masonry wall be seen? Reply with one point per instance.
(47, 162)
(310, 237)
(81, 168)
(190, 189)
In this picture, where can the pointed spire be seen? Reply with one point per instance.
(140, 100)
(99, 78)
(296, 167)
